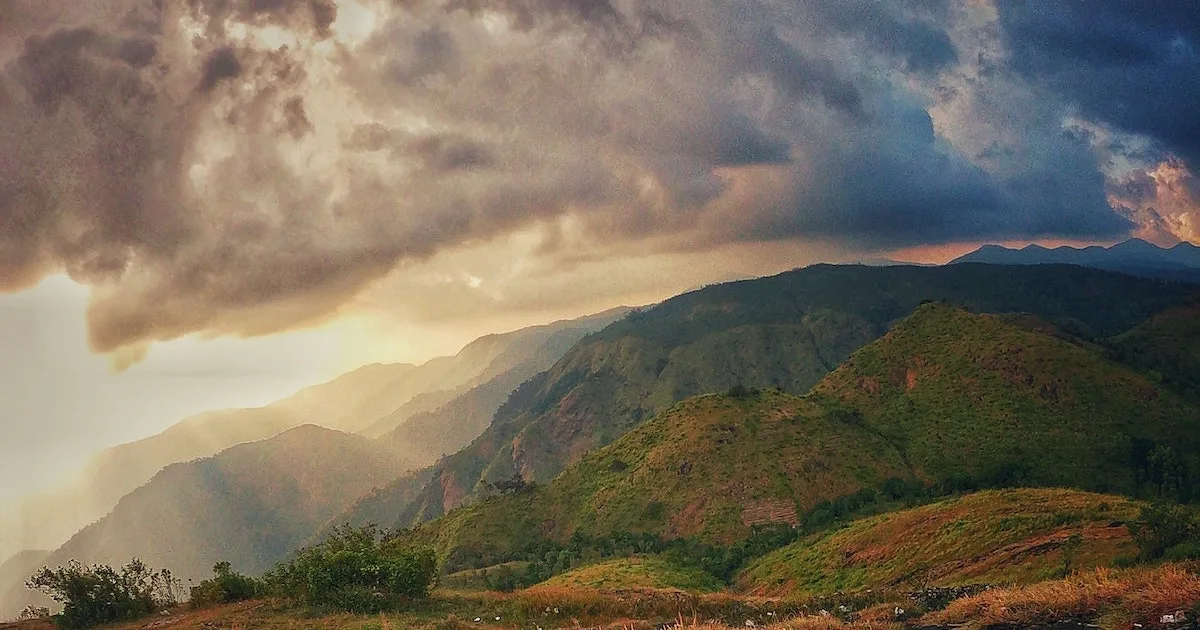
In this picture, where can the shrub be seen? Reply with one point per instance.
(353, 571)
(99, 594)
(31, 613)
(1162, 527)
(226, 586)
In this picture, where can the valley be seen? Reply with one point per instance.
(861, 440)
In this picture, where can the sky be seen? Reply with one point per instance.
(208, 203)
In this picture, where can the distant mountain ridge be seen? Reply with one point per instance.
(1135, 257)
(250, 504)
(372, 400)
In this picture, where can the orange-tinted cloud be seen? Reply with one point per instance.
(1163, 200)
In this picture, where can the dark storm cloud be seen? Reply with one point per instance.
(923, 46)
(1135, 65)
(221, 64)
(201, 180)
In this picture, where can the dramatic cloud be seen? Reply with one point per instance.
(1134, 65)
(245, 166)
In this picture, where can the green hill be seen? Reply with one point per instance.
(639, 572)
(992, 537)
(973, 401)
(947, 401)
(1168, 346)
(786, 331)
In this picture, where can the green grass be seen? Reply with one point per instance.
(701, 470)
(1168, 347)
(642, 572)
(993, 537)
(969, 396)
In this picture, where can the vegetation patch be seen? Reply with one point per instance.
(640, 572)
(1115, 599)
(990, 537)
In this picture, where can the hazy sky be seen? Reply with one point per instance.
(393, 177)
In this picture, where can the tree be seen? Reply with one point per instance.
(354, 570)
(98, 594)
(1163, 526)
(224, 587)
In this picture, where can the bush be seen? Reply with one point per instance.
(31, 613)
(226, 586)
(353, 571)
(96, 595)
(1164, 526)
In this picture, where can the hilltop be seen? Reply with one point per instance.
(786, 331)
(972, 400)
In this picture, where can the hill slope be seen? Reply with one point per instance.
(991, 537)
(948, 398)
(251, 504)
(972, 400)
(639, 572)
(708, 468)
(1167, 345)
(785, 331)
(498, 362)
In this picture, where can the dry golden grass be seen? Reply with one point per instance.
(807, 622)
(1133, 595)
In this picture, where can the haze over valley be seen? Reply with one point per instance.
(567, 313)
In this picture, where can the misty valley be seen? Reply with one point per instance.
(838, 445)
(600, 314)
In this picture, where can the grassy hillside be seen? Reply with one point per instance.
(945, 402)
(251, 504)
(640, 572)
(712, 466)
(709, 468)
(973, 401)
(1168, 346)
(1016, 536)
(786, 331)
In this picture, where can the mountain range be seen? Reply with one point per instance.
(1134, 257)
(946, 401)
(803, 399)
(787, 331)
(371, 400)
